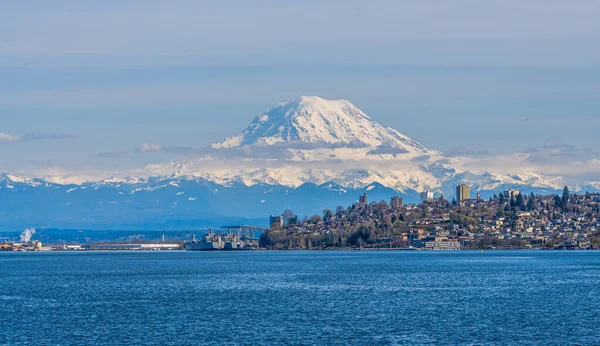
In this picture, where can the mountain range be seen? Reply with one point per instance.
(306, 155)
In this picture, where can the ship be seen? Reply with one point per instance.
(214, 241)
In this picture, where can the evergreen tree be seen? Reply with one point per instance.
(530, 204)
(520, 202)
(565, 197)
(558, 203)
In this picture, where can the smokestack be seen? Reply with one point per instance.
(26, 235)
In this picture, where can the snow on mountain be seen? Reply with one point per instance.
(314, 141)
(306, 155)
(324, 123)
(171, 168)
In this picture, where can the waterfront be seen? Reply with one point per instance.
(300, 297)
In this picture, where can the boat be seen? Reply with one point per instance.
(214, 242)
(208, 242)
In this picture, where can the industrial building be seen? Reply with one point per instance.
(133, 246)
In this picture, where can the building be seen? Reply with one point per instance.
(463, 192)
(437, 243)
(363, 199)
(442, 245)
(510, 194)
(426, 196)
(396, 203)
(132, 246)
(276, 222)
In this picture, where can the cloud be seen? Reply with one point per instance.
(387, 150)
(40, 136)
(148, 147)
(421, 158)
(113, 154)
(464, 151)
(569, 163)
(4, 137)
(157, 148)
(36, 136)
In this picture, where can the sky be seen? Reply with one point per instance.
(94, 85)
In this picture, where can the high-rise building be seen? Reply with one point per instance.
(463, 192)
(510, 194)
(362, 199)
(276, 222)
(396, 203)
(426, 196)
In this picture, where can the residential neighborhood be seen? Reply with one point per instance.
(507, 220)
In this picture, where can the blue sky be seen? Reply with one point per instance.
(87, 81)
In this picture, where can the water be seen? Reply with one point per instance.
(345, 297)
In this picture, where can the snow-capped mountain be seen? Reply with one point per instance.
(323, 123)
(306, 155)
(312, 140)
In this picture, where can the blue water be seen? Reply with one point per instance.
(346, 297)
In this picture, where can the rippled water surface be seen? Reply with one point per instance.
(345, 297)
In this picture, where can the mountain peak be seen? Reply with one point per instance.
(314, 120)
(316, 102)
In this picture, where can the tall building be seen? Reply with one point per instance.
(396, 203)
(463, 192)
(510, 194)
(426, 196)
(362, 199)
(276, 222)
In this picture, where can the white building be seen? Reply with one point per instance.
(510, 194)
(426, 196)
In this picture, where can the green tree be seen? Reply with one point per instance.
(520, 202)
(565, 197)
(558, 202)
(530, 204)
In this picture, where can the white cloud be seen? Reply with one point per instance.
(148, 147)
(36, 136)
(41, 136)
(157, 148)
(4, 137)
